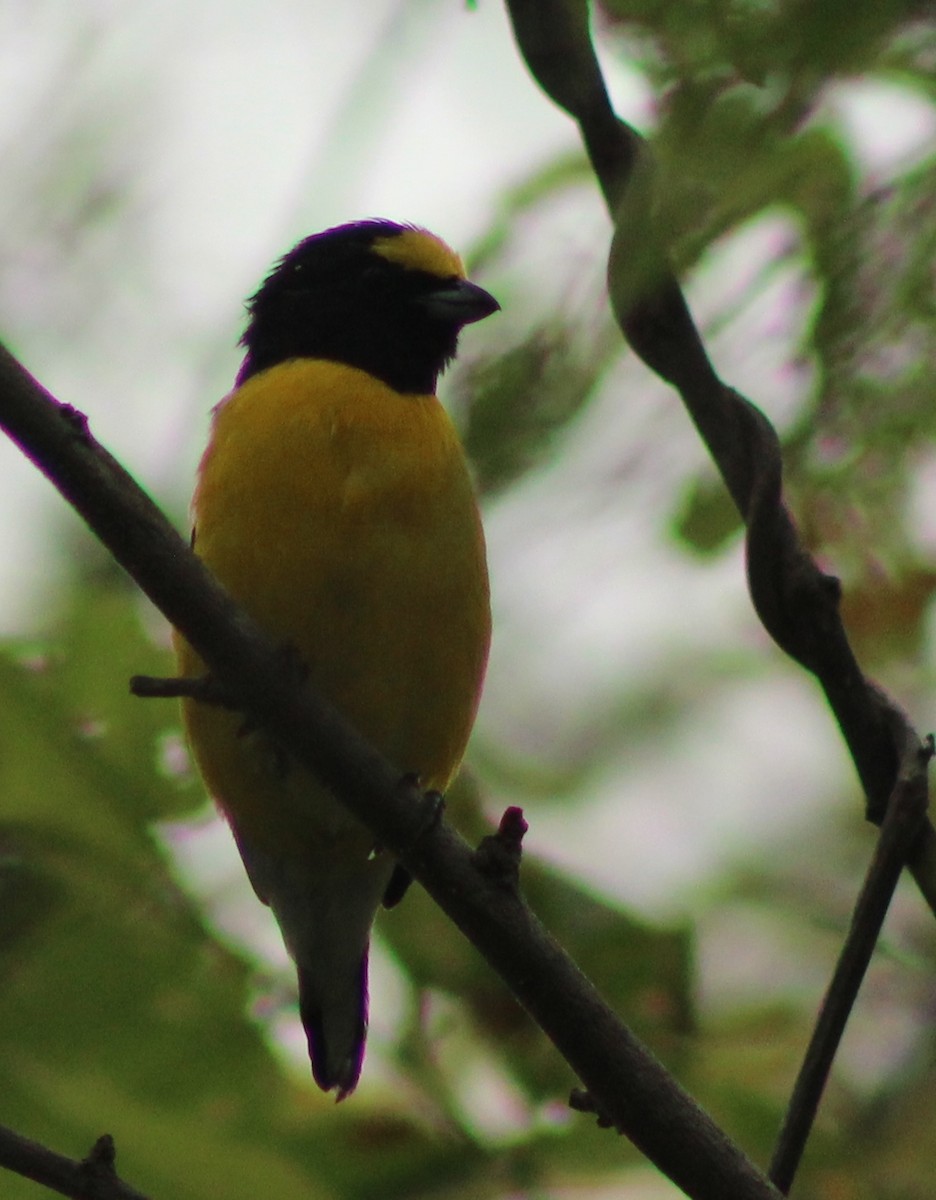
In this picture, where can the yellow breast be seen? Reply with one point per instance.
(341, 514)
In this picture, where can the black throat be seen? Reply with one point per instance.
(346, 304)
(406, 354)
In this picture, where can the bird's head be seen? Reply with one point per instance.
(390, 299)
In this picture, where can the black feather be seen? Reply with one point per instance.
(328, 1073)
(334, 297)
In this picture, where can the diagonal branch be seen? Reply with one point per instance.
(796, 602)
(94, 1178)
(629, 1087)
(905, 810)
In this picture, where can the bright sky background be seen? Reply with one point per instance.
(223, 130)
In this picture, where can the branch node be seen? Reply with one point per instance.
(76, 419)
(98, 1166)
(498, 855)
(583, 1101)
(428, 810)
(203, 688)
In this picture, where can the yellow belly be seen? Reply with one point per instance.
(341, 515)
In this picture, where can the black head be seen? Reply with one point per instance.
(390, 299)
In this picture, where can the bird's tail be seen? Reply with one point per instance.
(335, 1023)
(326, 927)
(325, 919)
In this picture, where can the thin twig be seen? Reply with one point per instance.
(92, 1178)
(202, 688)
(905, 811)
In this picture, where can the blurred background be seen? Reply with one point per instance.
(696, 830)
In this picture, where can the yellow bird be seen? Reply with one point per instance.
(335, 503)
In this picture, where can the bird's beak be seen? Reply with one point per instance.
(459, 302)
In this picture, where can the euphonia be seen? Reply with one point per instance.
(334, 501)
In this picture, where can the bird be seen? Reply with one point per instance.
(335, 502)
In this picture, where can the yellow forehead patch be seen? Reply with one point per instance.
(419, 250)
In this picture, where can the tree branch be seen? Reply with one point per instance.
(629, 1086)
(905, 810)
(94, 1178)
(796, 602)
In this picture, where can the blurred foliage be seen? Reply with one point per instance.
(747, 126)
(122, 1009)
(516, 406)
